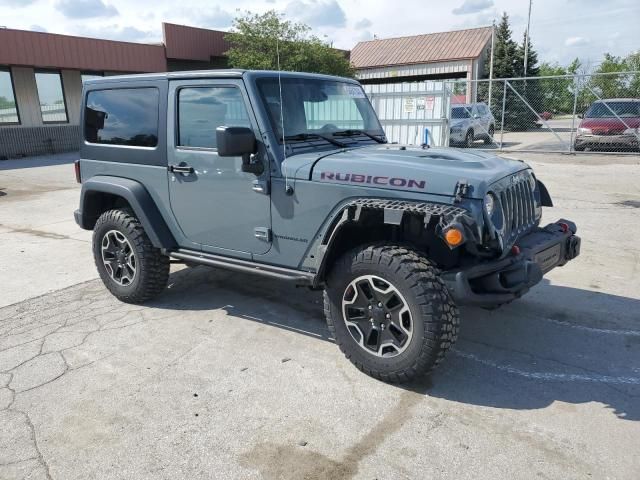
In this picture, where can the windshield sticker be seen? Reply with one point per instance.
(355, 91)
(374, 180)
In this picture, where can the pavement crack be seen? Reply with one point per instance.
(34, 439)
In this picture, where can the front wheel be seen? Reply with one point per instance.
(390, 312)
(129, 265)
(488, 140)
(468, 139)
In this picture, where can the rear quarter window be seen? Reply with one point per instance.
(125, 116)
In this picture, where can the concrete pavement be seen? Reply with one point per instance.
(231, 376)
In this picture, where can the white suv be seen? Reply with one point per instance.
(470, 122)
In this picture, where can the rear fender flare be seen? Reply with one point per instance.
(136, 195)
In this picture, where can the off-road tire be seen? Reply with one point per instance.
(152, 267)
(435, 317)
(469, 139)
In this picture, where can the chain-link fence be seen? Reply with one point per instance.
(572, 113)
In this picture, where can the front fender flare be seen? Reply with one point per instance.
(135, 195)
(393, 210)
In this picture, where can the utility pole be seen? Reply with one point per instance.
(526, 40)
(493, 45)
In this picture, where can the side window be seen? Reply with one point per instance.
(51, 97)
(203, 109)
(125, 116)
(8, 108)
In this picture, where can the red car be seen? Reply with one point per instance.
(610, 125)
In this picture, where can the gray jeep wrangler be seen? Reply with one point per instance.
(290, 176)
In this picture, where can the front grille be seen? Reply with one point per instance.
(519, 208)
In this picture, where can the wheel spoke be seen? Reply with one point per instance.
(118, 257)
(377, 316)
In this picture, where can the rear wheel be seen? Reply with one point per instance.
(390, 312)
(130, 267)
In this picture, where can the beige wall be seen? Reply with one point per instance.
(24, 82)
(26, 93)
(72, 82)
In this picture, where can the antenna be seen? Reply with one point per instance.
(287, 188)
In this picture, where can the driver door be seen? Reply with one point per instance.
(212, 199)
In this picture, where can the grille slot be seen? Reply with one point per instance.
(519, 209)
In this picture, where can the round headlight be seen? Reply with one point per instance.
(532, 182)
(489, 203)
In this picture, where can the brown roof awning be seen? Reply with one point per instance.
(429, 48)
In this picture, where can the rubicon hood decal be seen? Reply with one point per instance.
(373, 180)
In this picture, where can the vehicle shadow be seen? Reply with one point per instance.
(558, 344)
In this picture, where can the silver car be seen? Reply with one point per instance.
(471, 122)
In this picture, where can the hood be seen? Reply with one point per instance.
(610, 125)
(413, 169)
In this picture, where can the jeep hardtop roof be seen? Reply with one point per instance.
(227, 73)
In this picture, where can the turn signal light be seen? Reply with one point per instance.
(564, 227)
(453, 237)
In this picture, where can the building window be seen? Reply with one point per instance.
(8, 108)
(90, 76)
(203, 109)
(124, 116)
(51, 96)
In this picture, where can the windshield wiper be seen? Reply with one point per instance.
(307, 136)
(351, 133)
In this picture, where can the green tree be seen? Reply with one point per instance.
(505, 51)
(533, 70)
(256, 40)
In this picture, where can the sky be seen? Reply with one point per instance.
(561, 30)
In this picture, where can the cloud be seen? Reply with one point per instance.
(116, 32)
(86, 8)
(363, 23)
(16, 3)
(215, 18)
(317, 13)
(472, 6)
(37, 28)
(576, 41)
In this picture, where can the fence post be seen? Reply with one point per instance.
(573, 117)
(504, 102)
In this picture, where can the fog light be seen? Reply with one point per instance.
(453, 237)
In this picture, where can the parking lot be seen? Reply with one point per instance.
(230, 376)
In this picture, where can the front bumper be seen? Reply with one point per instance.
(495, 282)
(607, 141)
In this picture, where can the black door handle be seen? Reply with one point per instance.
(180, 169)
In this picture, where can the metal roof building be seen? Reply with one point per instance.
(41, 76)
(434, 56)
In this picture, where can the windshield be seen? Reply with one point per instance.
(317, 107)
(460, 112)
(621, 109)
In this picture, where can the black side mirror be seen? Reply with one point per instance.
(580, 115)
(235, 141)
(239, 142)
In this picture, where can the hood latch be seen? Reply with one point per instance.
(460, 190)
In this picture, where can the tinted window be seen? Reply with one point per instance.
(460, 112)
(51, 96)
(8, 109)
(127, 116)
(202, 110)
